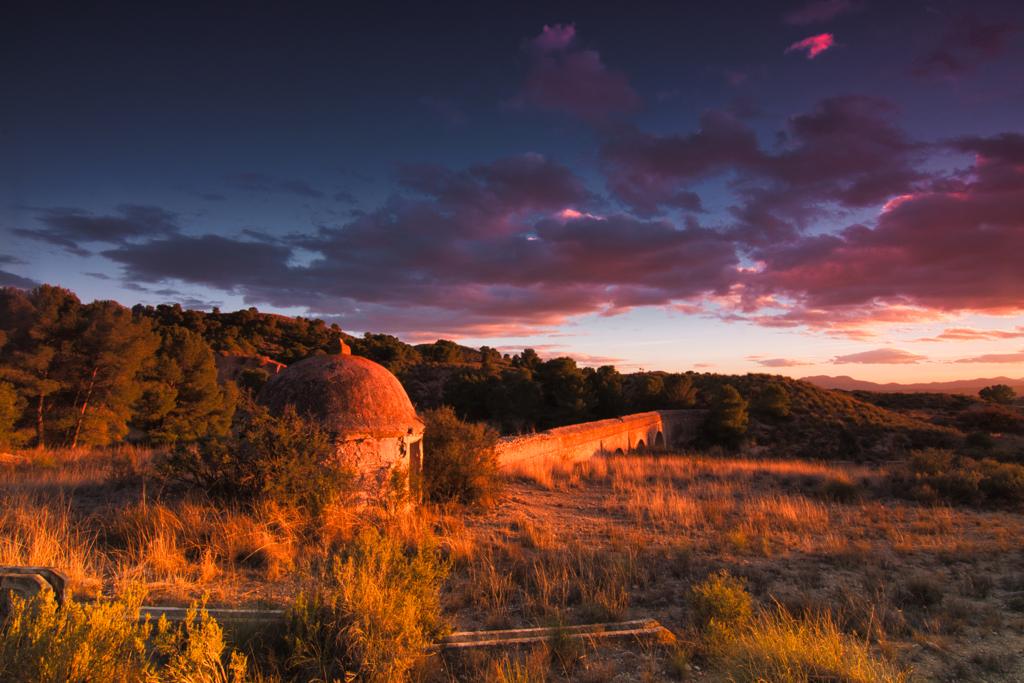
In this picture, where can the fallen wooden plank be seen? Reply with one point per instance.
(636, 629)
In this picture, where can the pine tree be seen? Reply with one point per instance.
(104, 372)
(11, 406)
(40, 326)
(182, 400)
(727, 421)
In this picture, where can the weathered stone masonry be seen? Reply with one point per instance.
(654, 430)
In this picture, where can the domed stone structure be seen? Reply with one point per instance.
(362, 405)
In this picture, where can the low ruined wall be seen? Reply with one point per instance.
(653, 430)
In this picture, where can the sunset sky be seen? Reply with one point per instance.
(826, 187)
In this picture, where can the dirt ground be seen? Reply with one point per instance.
(937, 589)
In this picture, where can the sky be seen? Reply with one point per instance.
(803, 187)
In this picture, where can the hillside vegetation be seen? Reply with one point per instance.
(99, 374)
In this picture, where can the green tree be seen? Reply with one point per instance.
(183, 400)
(104, 372)
(566, 397)
(528, 359)
(646, 391)
(522, 398)
(39, 327)
(998, 393)
(389, 351)
(11, 407)
(605, 384)
(727, 420)
(679, 392)
(489, 357)
(441, 351)
(772, 401)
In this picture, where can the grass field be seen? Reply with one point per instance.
(833, 562)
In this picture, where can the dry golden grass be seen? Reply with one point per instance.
(613, 538)
(822, 536)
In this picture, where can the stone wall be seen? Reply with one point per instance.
(654, 430)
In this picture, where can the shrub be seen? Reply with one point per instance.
(840, 489)
(104, 641)
(374, 615)
(459, 464)
(100, 641)
(726, 423)
(998, 393)
(721, 600)
(772, 402)
(936, 474)
(776, 646)
(289, 460)
(1002, 482)
(991, 419)
(194, 650)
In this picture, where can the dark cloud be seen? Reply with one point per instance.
(265, 184)
(528, 182)
(648, 171)
(880, 356)
(12, 280)
(72, 228)
(818, 11)
(567, 78)
(487, 249)
(968, 42)
(955, 247)
(344, 197)
(844, 153)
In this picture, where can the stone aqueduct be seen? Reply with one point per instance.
(654, 430)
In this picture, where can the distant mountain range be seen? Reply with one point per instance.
(960, 386)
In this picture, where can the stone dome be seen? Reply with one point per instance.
(351, 395)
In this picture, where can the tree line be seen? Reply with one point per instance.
(74, 374)
(92, 374)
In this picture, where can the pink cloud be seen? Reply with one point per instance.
(995, 358)
(970, 334)
(779, 362)
(953, 247)
(813, 45)
(880, 356)
(573, 80)
(554, 37)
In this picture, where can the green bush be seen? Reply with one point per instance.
(721, 600)
(941, 475)
(105, 641)
(194, 650)
(776, 646)
(374, 616)
(460, 463)
(99, 641)
(288, 459)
